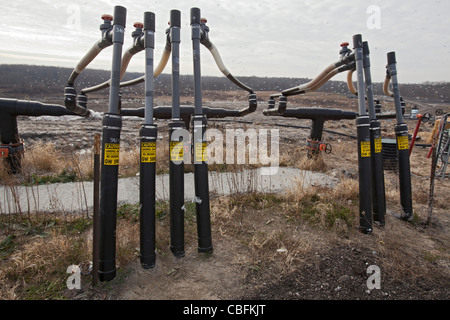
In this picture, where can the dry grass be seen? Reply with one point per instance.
(36, 254)
(36, 249)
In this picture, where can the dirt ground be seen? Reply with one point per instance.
(261, 253)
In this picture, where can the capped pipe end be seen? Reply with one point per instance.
(357, 41)
(391, 58)
(366, 47)
(195, 15)
(149, 21)
(120, 15)
(175, 18)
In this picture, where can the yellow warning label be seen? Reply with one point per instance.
(176, 151)
(200, 151)
(148, 151)
(365, 148)
(111, 157)
(403, 143)
(377, 145)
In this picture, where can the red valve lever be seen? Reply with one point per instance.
(138, 25)
(107, 17)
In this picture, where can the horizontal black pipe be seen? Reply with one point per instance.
(32, 108)
(313, 113)
(165, 112)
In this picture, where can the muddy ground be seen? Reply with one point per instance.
(261, 253)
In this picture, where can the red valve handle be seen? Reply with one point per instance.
(107, 17)
(138, 25)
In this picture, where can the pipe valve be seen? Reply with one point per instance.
(107, 18)
(106, 29)
(345, 50)
(138, 38)
(139, 26)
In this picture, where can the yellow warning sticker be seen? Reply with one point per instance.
(111, 157)
(377, 145)
(365, 148)
(148, 151)
(200, 151)
(402, 143)
(176, 151)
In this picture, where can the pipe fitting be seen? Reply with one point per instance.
(106, 32)
(282, 104)
(138, 39)
(72, 102)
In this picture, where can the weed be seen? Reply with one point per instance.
(63, 177)
(128, 211)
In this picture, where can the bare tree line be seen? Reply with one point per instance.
(29, 80)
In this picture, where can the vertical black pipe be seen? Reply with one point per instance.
(96, 219)
(176, 161)
(199, 146)
(364, 151)
(378, 187)
(112, 124)
(401, 133)
(147, 136)
(9, 134)
(315, 137)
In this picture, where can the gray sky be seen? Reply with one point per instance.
(284, 38)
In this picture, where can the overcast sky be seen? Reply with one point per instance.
(284, 38)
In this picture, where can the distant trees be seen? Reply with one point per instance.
(21, 80)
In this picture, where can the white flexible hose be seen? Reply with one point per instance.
(162, 63)
(350, 85)
(218, 60)
(125, 61)
(324, 79)
(386, 90)
(88, 57)
(307, 86)
(317, 81)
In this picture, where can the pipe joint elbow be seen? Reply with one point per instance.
(70, 96)
(107, 38)
(252, 102)
(282, 104)
(74, 104)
